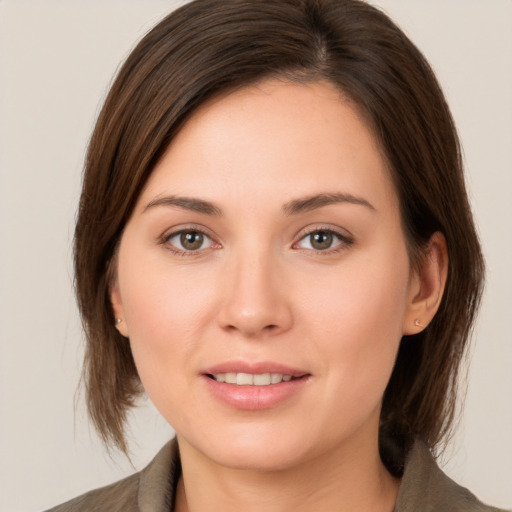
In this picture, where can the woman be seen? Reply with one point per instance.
(273, 227)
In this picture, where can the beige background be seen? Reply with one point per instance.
(56, 61)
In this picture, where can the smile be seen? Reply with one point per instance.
(249, 379)
(251, 390)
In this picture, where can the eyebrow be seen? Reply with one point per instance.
(187, 203)
(316, 201)
(293, 207)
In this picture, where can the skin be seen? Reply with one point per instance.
(259, 289)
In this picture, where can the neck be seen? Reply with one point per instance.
(344, 480)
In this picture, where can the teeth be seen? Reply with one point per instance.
(249, 379)
(276, 378)
(263, 379)
(244, 379)
(230, 378)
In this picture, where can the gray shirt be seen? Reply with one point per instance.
(424, 488)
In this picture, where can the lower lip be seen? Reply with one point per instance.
(254, 398)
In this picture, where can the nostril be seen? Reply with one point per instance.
(263, 317)
(252, 330)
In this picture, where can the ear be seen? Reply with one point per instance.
(427, 286)
(117, 308)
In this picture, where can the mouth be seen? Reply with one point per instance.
(253, 379)
(253, 387)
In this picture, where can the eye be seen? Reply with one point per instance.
(189, 240)
(322, 240)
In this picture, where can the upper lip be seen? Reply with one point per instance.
(255, 368)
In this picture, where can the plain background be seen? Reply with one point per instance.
(56, 61)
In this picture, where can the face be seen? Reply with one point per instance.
(264, 281)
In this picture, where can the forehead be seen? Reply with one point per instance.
(274, 139)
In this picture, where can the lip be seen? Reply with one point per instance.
(252, 397)
(255, 368)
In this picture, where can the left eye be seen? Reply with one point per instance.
(321, 240)
(190, 240)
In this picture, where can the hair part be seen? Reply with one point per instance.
(210, 47)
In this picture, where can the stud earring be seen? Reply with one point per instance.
(118, 321)
(417, 323)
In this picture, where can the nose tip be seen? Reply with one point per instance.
(250, 325)
(256, 322)
(255, 303)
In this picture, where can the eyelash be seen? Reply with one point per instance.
(344, 240)
(166, 238)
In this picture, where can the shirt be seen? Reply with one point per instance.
(424, 488)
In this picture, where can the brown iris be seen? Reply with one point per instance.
(321, 240)
(191, 240)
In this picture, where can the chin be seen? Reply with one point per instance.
(258, 448)
(257, 457)
(255, 448)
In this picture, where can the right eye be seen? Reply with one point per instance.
(189, 240)
(323, 240)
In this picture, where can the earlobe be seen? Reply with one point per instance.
(427, 286)
(117, 308)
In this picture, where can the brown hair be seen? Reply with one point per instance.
(208, 47)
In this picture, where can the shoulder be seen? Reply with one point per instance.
(150, 489)
(425, 487)
(120, 496)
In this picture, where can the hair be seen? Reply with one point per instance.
(211, 47)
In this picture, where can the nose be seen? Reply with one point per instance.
(256, 302)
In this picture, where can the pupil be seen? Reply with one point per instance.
(191, 240)
(321, 240)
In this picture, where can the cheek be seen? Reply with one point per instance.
(365, 296)
(357, 318)
(165, 308)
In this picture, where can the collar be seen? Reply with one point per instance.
(424, 486)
